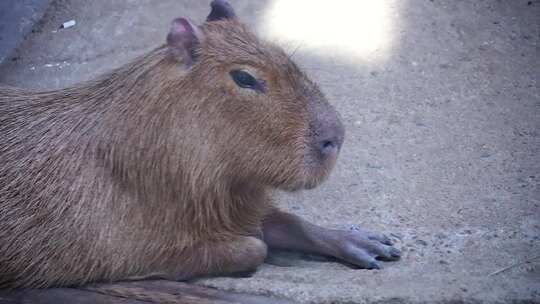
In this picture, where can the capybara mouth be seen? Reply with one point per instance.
(317, 167)
(312, 176)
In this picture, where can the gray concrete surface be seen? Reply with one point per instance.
(442, 148)
(17, 18)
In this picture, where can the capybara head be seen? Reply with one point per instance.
(264, 120)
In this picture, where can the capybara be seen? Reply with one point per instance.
(165, 167)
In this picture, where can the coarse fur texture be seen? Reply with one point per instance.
(161, 168)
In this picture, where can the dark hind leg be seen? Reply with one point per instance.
(226, 257)
(243, 254)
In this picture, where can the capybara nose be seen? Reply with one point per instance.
(331, 139)
(329, 146)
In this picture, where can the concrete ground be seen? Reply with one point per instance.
(17, 18)
(443, 134)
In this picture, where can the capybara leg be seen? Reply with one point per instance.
(355, 246)
(240, 255)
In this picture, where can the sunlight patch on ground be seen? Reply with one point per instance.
(362, 28)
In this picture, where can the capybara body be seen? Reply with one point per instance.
(162, 167)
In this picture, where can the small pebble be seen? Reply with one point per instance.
(68, 24)
(421, 242)
(485, 155)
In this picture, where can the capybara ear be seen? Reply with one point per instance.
(184, 40)
(221, 9)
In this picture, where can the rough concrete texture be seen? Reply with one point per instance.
(17, 18)
(442, 147)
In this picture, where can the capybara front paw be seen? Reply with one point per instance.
(364, 248)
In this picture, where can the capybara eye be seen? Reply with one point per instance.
(244, 80)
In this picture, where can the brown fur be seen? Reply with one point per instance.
(155, 167)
